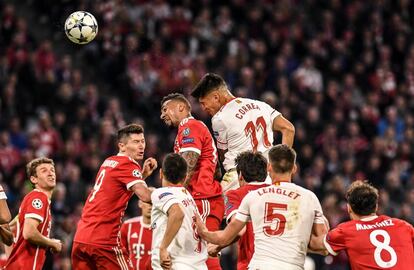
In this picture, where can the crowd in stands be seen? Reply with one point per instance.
(342, 71)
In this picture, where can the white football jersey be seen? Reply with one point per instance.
(187, 250)
(243, 124)
(282, 216)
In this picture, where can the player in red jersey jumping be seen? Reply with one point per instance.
(97, 243)
(371, 241)
(196, 145)
(35, 220)
(136, 237)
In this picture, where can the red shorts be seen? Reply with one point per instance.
(211, 211)
(91, 257)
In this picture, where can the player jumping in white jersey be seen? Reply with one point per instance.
(239, 124)
(283, 214)
(175, 242)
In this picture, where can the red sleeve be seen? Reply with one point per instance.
(232, 202)
(36, 205)
(130, 173)
(334, 241)
(190, 137)
(124, 235)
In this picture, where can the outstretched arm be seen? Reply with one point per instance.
(33, 236)
(287, 129)
(175, 219)
(223, 237)
(141, 190)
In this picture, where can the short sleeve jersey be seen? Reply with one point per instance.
(105, 206)
(193, 135)
(282, 216)
(243, 125)
(187, 247)
(136, 237)
(232, 201)
(3, 195)
(378, 242)
(25, 255)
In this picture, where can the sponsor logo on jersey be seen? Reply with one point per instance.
(134, 235)
(187, 140)
(162, 195)
(186, 132)
(37, 204)
(227, 203)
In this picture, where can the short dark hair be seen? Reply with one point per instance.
(208, 83)
(128, 130)
(362, 198)
(33, 164)
(174, 168)
(252, 166)
(282, 158)
(176, 96)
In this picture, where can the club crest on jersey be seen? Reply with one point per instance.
(162, 195)
(186, 132)
(136, 173)
(37, 204)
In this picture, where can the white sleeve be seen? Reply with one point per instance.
(220, 133)
(243, 212)
(273, 113)
(163, 199)
(2, 194)
(319, 218)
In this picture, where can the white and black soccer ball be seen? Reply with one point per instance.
(81, 27)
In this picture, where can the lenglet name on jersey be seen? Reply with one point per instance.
(244, 109)
(278, 190)
(384, 223)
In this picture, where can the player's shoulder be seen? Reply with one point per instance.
(191, 125)
(398, 222)
(162, 192)
(36, 194)
(120, 161)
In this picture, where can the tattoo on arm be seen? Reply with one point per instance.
(192, 159)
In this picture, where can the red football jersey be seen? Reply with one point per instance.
(136, 237)
(25, 255)
(232, 200)
(374, 243)
(105, 206)
(193, 135)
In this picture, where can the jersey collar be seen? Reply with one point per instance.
(369, 218)
(186, 120)
(222, 107)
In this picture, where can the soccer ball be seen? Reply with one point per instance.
(81, 27)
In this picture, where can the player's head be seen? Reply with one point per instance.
(131, 141)
(174, 169)
(146, 207)
(362, 199)
(212, 93)
(174, 108)
(41, 173)
(282, 161)
(251, 167)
